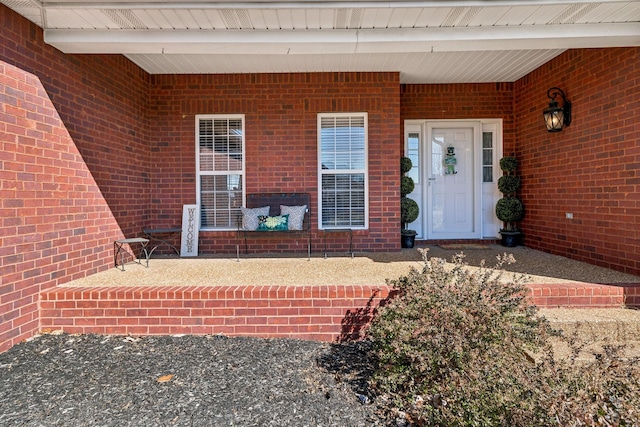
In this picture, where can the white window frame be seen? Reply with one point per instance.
(363, 171)
(200, 173)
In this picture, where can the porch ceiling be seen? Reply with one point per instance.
(425, 41)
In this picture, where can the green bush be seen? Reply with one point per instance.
(509, 164)
(462, 348)
(509, 210)
(406, 185)
(508, 184)
(409, 210)
(405, 165)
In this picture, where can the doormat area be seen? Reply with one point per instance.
(464, 246)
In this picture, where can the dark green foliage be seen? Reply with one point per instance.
(509, 164)
(509, 210)
(508, 184)
(409, 210)
(406, 185)
(405, 165)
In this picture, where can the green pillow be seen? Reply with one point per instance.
(273, 223)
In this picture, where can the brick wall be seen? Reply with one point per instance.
(93, 149)
(55, 225)
(281, 144)
(102, 101)
(590, 169)
(323, 313)
(461, 101)
(73, 167)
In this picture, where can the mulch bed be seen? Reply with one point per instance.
(92, 380)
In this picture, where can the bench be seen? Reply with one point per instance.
(256, 223)
(153, 235)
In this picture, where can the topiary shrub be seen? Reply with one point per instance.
(406, 185)
(405, 165)
(509, 209)
(409, 209)
(508, 184)
(457, 347)
(509, 164)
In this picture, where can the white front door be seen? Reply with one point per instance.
(453, 187)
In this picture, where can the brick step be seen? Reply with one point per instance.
(323, 313)
(579, 295)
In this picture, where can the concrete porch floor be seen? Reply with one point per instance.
(340, 268)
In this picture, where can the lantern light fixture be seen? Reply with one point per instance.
(556, 117)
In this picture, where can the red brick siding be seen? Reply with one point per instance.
(281, 144)
(73, 167)
(579, 295)
(323, 313)
(55, 224)
(320, 313)
(632, 295)
(102, 101)
(460, 101)
(592, 167)
(93, 149)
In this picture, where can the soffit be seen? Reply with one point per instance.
(425, 41)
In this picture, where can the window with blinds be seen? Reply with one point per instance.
(342, 159)
(220, 169)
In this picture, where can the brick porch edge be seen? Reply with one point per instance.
(322, 313)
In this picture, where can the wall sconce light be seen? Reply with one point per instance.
(556, 117)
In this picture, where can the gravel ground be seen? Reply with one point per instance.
(364, 269)
(89, 380)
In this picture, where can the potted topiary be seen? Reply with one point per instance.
(409, 209)
(509, 208)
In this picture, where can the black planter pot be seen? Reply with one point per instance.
(408, 240)
(511, 239)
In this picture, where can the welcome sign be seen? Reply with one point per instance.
(190, 227)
